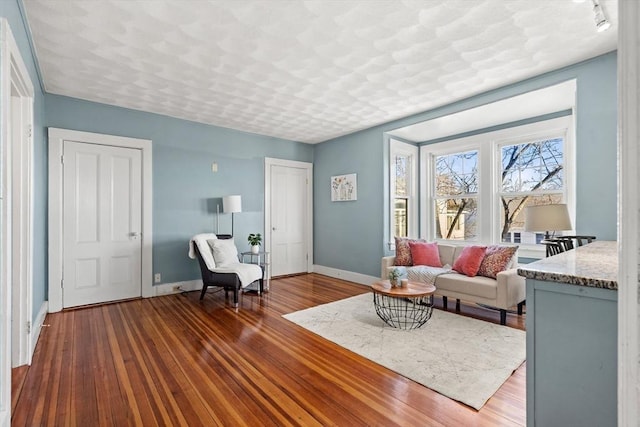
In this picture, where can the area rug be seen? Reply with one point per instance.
(462, 358)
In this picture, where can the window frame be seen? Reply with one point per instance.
(396, 148)
(434, 197)
(489, 146)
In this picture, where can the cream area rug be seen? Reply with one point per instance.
(462, 358)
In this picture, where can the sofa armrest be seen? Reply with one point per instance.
(387, 262)
(511, 288)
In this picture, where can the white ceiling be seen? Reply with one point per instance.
(303, 70)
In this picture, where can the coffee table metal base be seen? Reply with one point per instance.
(403, 312)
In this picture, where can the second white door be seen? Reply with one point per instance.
(102, 207)
(289, 212)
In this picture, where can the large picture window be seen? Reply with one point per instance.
(477, 188)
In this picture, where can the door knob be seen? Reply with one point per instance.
(134, 235)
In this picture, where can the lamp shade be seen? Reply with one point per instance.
(231, 204)
(547, 218)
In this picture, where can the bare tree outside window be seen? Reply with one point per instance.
(456, 193)
(532, 174)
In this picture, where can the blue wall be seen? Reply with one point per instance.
(10, 10)
(185, 190)
(352, 236)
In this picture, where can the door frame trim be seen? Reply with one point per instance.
(13, 72)
(56, 140)
(628, 216)
(268, 162)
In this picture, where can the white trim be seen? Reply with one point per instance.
(628, 213)
(36, 328)
(413, 152)
(350, 276)
(16, 221)
(21, 202)
(268, 162)
(169, 288)
(56, 140)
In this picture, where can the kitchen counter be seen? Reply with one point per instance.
(594, 265)
(572, 331)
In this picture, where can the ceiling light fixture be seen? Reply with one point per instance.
(602, 24)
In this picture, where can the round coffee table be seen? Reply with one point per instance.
(406, 307)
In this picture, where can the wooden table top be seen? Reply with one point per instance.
(412, 289)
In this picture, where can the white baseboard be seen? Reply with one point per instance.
(177, 287)
(36, 328)
(351, 276)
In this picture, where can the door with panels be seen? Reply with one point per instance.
(102, 214)
(289, 217)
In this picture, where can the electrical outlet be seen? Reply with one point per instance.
(177, 288)
(157, 278)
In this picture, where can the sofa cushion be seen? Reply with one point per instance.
(403, 251)
(469, 260)
(447, 253)
(425, 254)
(482, 287)
(497, 258)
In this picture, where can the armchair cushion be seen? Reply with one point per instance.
(224, 252)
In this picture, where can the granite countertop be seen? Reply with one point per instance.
(594, 265)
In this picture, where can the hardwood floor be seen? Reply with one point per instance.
(175, 360)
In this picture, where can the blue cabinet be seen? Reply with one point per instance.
(571, 355)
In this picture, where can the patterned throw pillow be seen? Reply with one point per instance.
(425, 254)
(496, 259)
(403, 251)
(469, 260)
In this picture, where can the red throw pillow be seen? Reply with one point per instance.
(425, 254)
(496, 259)
(403, 251)
(469, 260)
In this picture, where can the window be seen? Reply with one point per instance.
(455, 204)
(403, 160)
(531, 174)
(476, 188)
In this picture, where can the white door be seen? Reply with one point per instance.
(289, 199)
(102, 205)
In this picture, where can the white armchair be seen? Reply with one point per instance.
(219, 265)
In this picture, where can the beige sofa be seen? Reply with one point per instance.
(503, 293)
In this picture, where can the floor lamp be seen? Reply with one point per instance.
(231, 204)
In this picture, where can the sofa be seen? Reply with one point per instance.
(503, 292)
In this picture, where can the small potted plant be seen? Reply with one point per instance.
(255, 240)
(394, 277)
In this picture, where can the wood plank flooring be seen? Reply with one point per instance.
(175, 360)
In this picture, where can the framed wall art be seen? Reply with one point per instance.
(344, 188)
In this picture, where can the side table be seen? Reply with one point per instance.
(263, 260)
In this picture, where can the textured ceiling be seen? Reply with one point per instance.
(303, 70)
